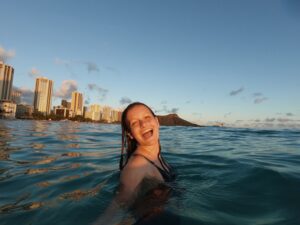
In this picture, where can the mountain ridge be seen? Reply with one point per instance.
(174, 120)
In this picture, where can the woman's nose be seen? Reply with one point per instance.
(142, 123)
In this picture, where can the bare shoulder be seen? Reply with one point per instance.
(131, 176)
(135, 169)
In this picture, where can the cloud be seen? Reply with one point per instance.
(284, 120)
(236, 92)
(69, 64)
(34, 73)
(125, 101)
(91, 67)
(66, 64)
(100, 91)
(173, 110)
(289, 114)
(87, 100)
(269, 120)
(27, 95)
(66, 89)
(239, 121)
(6, 54)
(165, 109)
(260, 100)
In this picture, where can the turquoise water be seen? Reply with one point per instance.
(67, 173)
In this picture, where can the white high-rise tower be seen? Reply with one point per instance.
(43, 95)
(6, 81)
(77, 103)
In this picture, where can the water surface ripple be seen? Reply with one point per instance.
(67, 173)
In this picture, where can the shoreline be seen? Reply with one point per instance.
(162, 123)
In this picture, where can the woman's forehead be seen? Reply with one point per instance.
(136, 111)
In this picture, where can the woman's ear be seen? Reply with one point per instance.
(157, 121)
(129, 135)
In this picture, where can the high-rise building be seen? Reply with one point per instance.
(115, 114)
(6, 81)
(16, 96)
(107, 113)
(77, 103)
(95, 112)
(120, 116)
(66, 104)
(61, 111)
(85, 110)
(43, 95)
(24, 111)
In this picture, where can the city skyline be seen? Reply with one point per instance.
(208, 61)
(11, 105)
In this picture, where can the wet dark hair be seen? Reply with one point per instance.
(127, 143)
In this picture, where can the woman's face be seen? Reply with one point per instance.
(144, 127)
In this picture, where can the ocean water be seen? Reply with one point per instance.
(67, 173)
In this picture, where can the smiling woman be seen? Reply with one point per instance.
(145, 173)
(140, 137)
(140, 128)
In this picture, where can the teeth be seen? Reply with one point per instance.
(148, 133)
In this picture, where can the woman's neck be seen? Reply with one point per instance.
(148, 151)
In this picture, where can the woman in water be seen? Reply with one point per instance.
(142, 164)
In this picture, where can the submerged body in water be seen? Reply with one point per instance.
(151, 199)
(153, 195)
(148, 203)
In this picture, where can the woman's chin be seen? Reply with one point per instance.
(149, 141)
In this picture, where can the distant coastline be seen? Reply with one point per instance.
(164, 120)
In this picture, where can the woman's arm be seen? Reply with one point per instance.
(126, 194)
(113, 214)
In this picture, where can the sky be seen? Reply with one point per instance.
(232, 61)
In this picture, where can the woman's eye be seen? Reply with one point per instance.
(134, 124)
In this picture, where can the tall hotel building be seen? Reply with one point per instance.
(77, 104)
(42, 95)
(6, 80)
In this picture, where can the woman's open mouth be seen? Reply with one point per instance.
(148, 134)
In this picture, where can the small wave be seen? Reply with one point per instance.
(79, 194)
